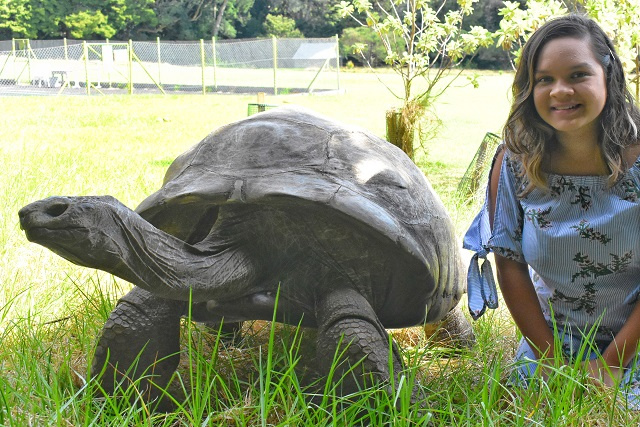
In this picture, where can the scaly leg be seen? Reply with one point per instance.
(347, 319)
(141, 338)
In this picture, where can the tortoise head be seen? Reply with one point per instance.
(83, 230)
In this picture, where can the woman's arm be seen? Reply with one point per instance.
(521, 299)
(619, 352)
(624, 346)
(516, 286)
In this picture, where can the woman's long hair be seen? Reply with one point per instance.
(529, 137)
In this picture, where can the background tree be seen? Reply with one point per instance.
(32, 18)
(280, 26)
(518, 23)
(486, 13)
(421, 42)
(619, 19)
(14, 18)
(314, 18)
(177, 19)
(88, 25)
(195, 19)
(89, 19)
(371, 49)
(99, 19)
(133, 19)
(218, 14)
(234, 16)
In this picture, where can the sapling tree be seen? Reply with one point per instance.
(518, 24)
(423, 40)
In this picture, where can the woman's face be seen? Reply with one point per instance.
(570, 88)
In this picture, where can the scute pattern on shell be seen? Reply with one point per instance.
(294, 156)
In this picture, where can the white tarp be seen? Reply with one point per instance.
(316, 51)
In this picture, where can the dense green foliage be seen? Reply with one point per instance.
(168, 19)
(186, 19)
(75, 18)
(619, 19)
(281, 26)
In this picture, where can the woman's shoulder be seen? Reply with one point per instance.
(510, 162)
(507, 168)
(502, 159)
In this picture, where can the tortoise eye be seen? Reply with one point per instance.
(56, 209)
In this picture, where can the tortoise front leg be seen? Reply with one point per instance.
(141, 338)
(346, 320)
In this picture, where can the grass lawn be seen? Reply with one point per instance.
(51, 311)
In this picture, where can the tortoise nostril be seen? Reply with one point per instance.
(56, 209)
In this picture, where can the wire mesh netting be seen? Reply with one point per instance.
(274, 66)
(472, 185)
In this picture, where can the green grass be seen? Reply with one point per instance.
(51, 311)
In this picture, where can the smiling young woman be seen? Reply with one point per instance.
(562, 214)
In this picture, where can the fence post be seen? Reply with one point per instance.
(204, 88)
(66, 49)
(107, 61)
(159, 61)
(28, 51)
(130, 67)
(215, 64)
(338, 62)
(85, 53)
(275, 65)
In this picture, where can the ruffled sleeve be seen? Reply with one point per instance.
(505, 239)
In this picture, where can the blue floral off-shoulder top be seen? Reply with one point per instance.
(580, 238)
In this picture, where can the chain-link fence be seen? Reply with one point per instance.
(274, 66)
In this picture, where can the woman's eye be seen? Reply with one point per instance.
(543, 79)
(579, 75)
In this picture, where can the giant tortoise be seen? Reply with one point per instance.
(333, 225)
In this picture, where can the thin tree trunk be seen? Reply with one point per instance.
(399, 132)
(216, 25)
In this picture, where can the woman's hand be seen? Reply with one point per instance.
(602, 375)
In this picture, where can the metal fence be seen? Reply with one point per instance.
(471, 188)
(274, 66)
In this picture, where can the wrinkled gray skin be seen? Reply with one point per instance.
(342, 221)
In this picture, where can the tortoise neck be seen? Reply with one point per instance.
(171, 268)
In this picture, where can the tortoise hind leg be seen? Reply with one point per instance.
(346, 319)
(140, 339)
(455, 330)
(230, 333)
